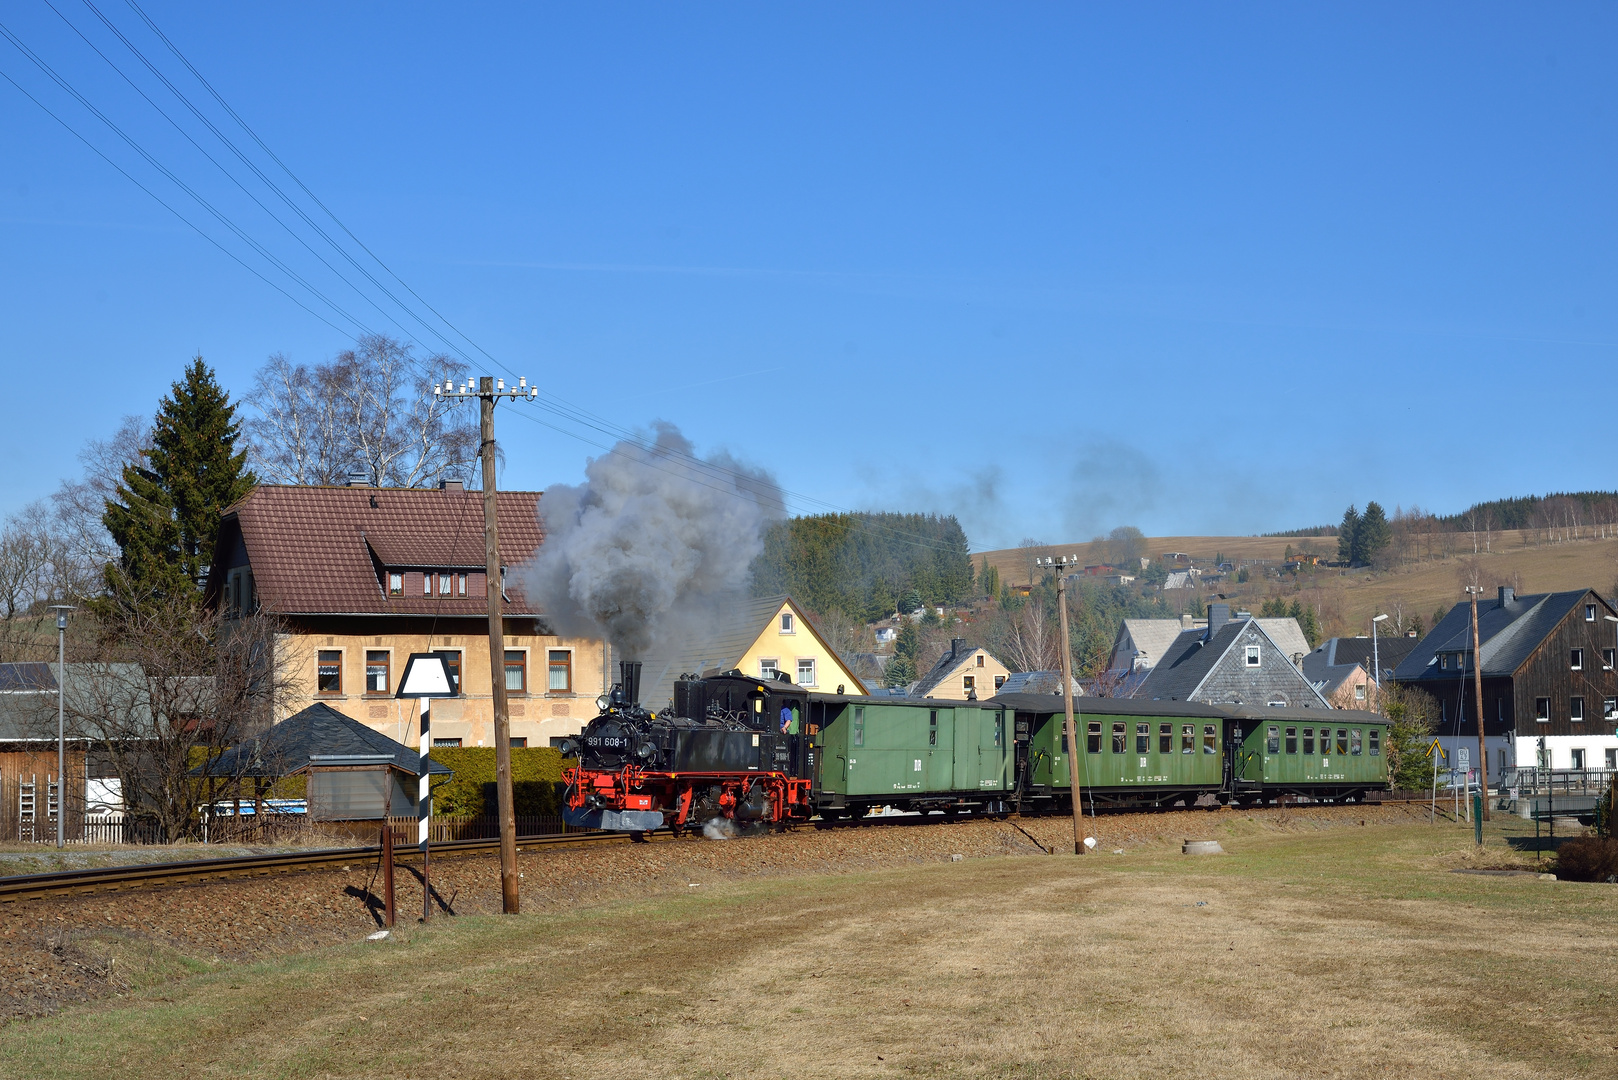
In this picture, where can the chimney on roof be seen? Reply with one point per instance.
(957, 647)
(1507, 595)
(451, 485)
(1186, 620)
(359, 479)
(1218, 616)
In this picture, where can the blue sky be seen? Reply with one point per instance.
(1053, 268)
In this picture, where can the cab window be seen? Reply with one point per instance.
(1143, 738)
(1272, 741)
(1092, 738)
(1210, 739)
(1165, 739)
(1309, 740)
(1118, 739)
(1292, 740)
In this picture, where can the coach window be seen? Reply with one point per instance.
(1309, 740)
(560, 664)
(1292, 740)
(1342, 741)
(1210, 739)
(1119, 739)
(1092, 738)
(999, 729)
(1165, 738)
(329, 671)
(1376, 745)
(859, 725)
(1272, 741)
(516, 671)
(376, 671)
(1143, 738)
(1188, 739)
(1354, 743)
(932, 728)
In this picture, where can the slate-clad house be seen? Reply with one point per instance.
(364, 576)
(964, 672)
(1230, 662)
(1548, 677)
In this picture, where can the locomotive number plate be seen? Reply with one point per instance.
(608, 741)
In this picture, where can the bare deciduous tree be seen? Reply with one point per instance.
(1028, 639)
(169, 687)
(25, 560)
(371, 409)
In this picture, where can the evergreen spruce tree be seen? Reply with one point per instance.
(901, 670)
(165, 513)
(1371, 535)
(1345, 536)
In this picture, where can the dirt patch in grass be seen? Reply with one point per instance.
(1304, 952)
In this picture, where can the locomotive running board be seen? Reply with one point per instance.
(614, 820)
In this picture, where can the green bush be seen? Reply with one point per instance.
(536, 781)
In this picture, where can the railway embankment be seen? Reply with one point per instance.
(58, 950)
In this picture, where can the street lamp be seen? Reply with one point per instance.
(1376, 659)
(61, 720)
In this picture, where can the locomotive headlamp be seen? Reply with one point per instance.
(645, 750)
(568, 748)
(602, 702)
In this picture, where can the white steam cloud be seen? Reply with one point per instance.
(648, 542)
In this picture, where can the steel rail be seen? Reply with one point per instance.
(111, 878)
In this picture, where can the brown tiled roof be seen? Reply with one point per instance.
(317, 550)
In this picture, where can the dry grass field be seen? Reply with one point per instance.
(1348, 598)
(1346, 953)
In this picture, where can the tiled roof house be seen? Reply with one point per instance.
(364, 576)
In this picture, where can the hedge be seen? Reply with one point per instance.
(536, 781)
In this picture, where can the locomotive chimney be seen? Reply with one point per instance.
(630, 680)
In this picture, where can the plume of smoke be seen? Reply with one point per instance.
(719, 829)
(649, 540)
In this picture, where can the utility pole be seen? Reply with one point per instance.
(487, 392)
(1477, 683)
(61, 726)
(1075, 755)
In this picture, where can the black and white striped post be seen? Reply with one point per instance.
(426, 676)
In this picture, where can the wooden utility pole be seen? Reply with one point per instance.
(1477, 683)
(497, 656)
(1075, 755)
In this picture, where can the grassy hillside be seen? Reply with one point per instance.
(1346, 599)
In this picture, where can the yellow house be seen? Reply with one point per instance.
(362, 577)
(963, 673)
(761, 637)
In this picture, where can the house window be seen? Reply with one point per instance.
(395, 584)
(426, 584)
(561, 671)
(1606, 659)
(460, 584)
(376, 671)
(518, 742)
(1359, 691)
(1578, 757)
(806, 672)
(1252, 656)
(1502, 760)
(968, 682)
(1292, 740)
(999, 681)
(768, 669)
(452, 661)
(1575, 709)
(786, 623)
(1609, 709)
(980, 659)
(1092, 737)
(1119, 739)
(1612, 759)
(329, 671)
(1576, 660)
(446, 742)
(516, 671)
(444, 581)
(1542, 710)
(1589, 613)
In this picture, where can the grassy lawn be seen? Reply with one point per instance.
(1352, 952)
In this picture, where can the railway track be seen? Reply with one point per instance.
(112, 878)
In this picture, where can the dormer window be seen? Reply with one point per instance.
(395, 583)
(444, 581)
(460, 584)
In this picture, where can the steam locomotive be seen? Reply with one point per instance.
(753, 754)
